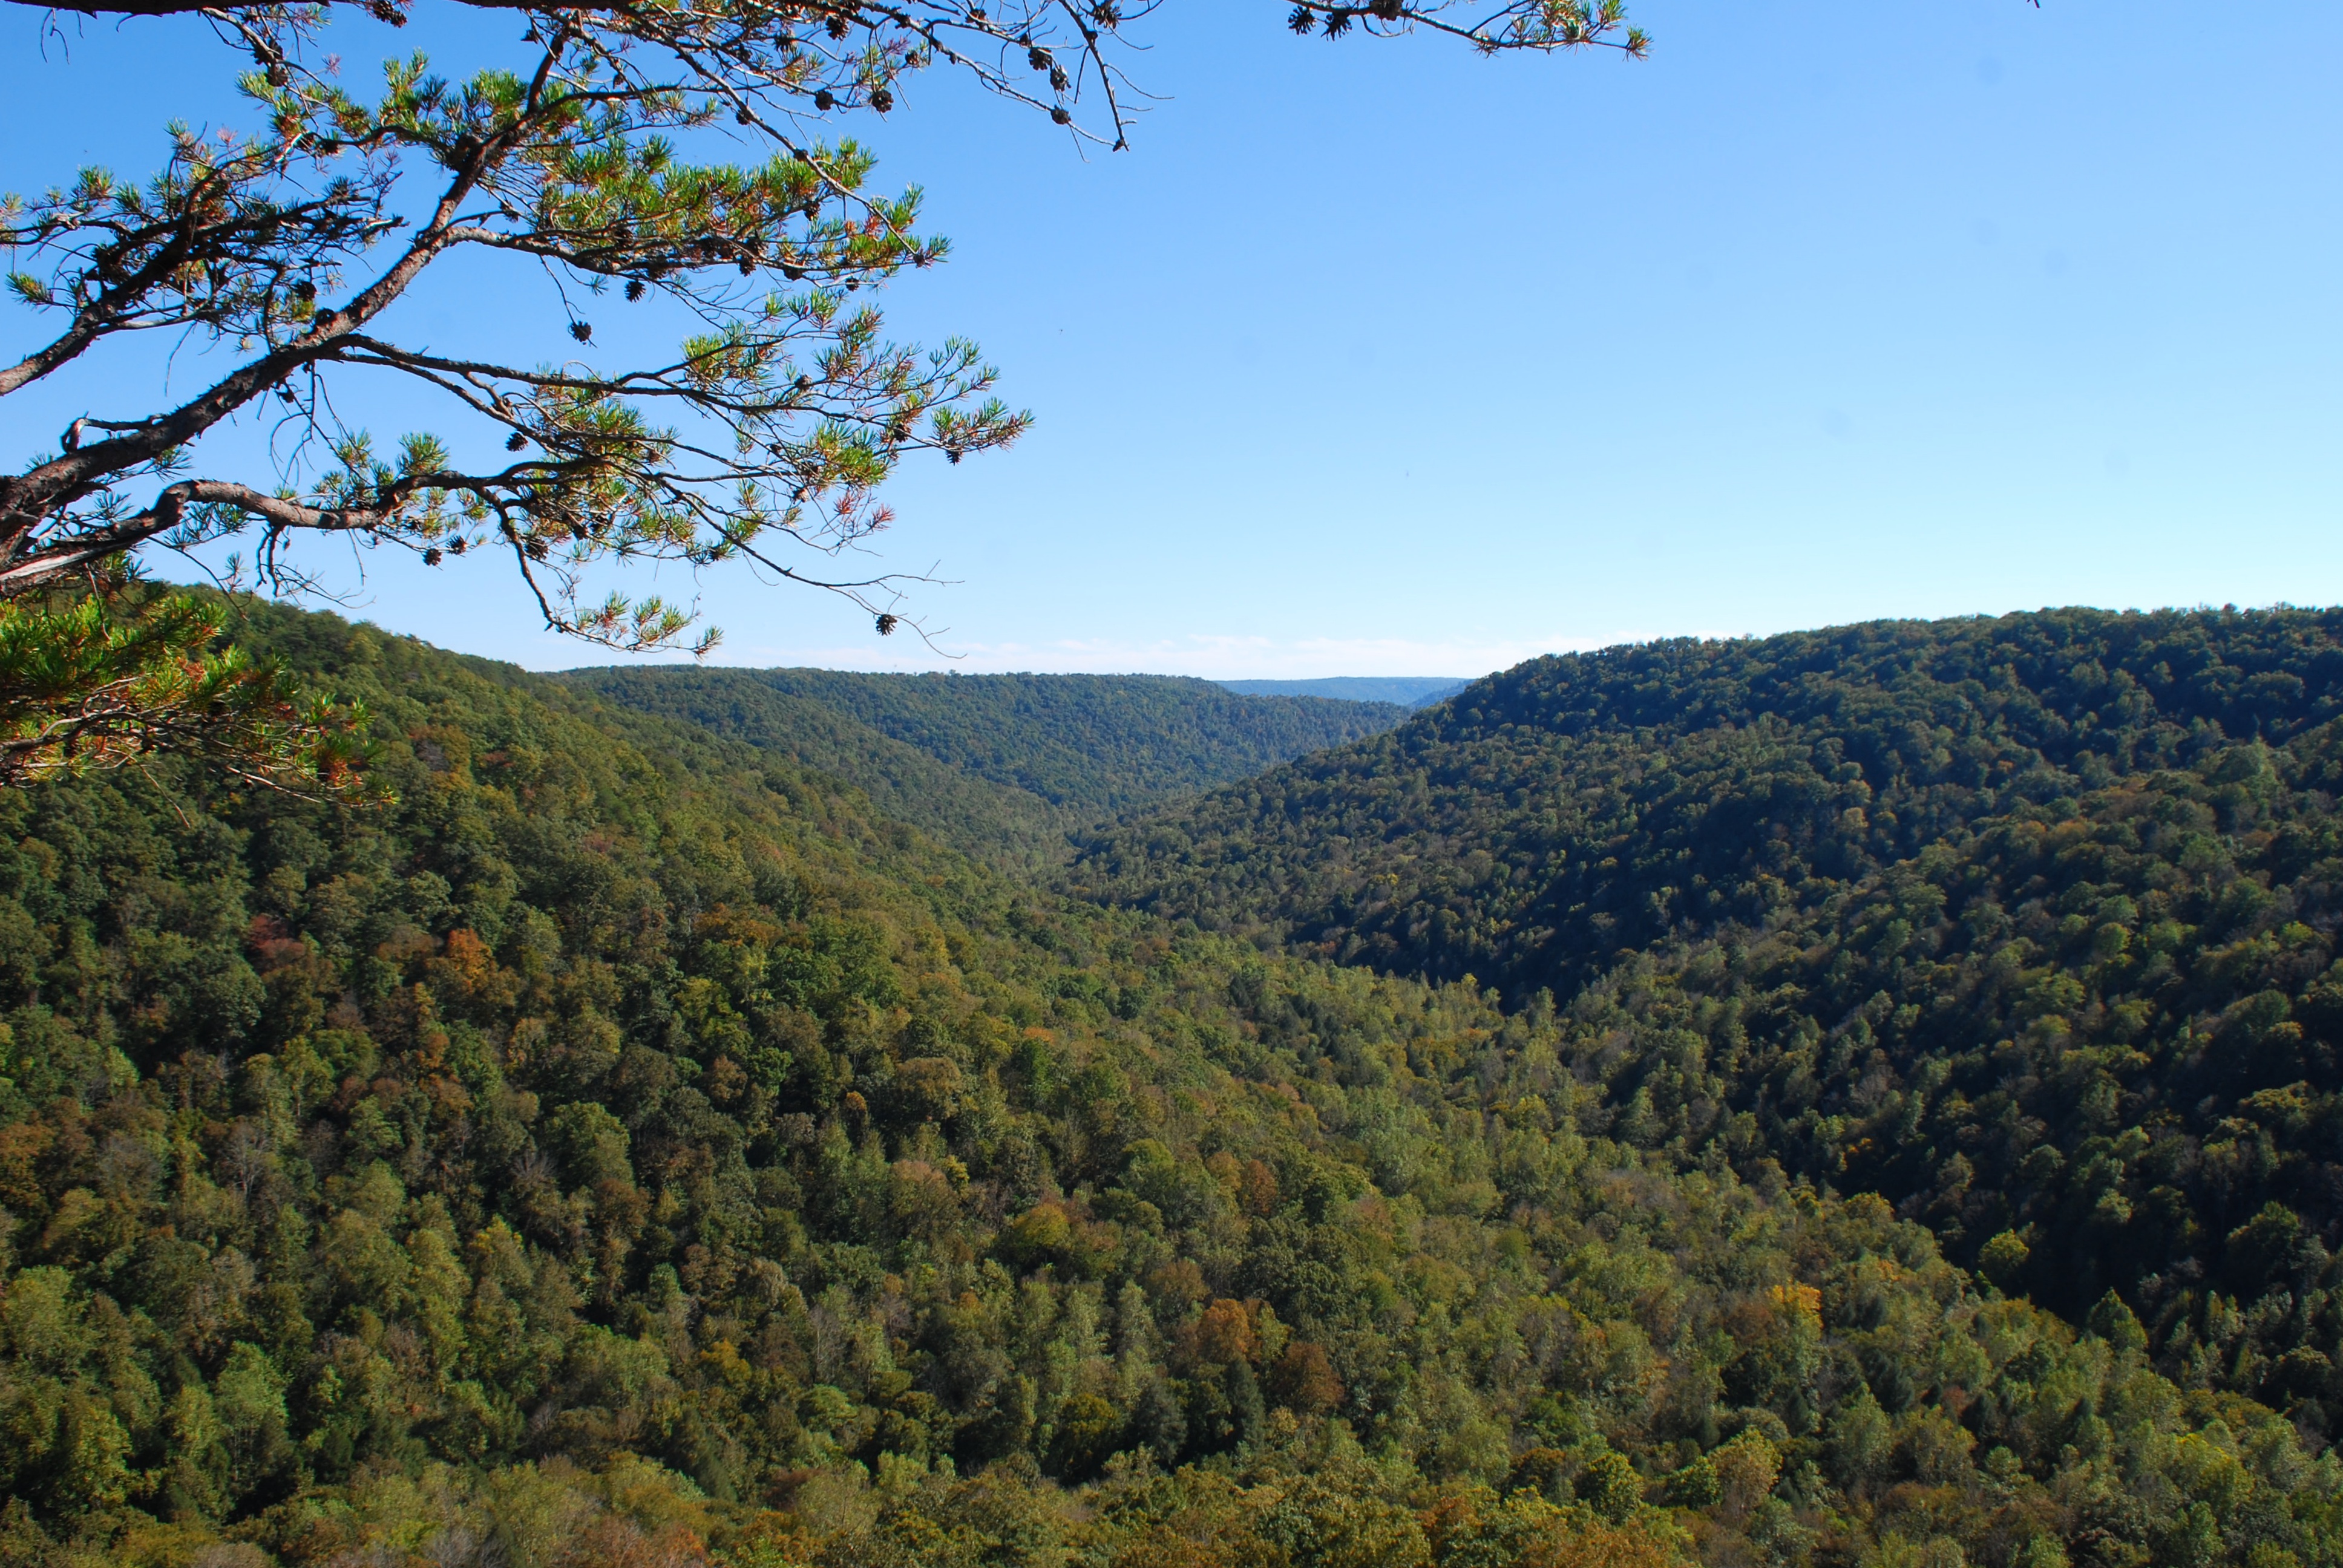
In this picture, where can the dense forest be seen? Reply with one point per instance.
(1004, 767)
(631, 1146)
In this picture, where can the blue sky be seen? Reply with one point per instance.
(1377, 358)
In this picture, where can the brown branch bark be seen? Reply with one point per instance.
(27, 498)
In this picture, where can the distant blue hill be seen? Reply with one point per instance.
(1408, 690)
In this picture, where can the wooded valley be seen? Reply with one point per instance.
(1866, 1097)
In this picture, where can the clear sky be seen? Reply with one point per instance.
(1379, 358)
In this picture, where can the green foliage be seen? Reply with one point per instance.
(1000, 766)
(768, 431)
(625, 1148)
(112, 679)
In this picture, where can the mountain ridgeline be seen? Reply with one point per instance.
(1000, 766)
(632, 1147)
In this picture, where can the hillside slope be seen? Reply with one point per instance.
(2027, 924)
(1041, 753)
(626, 1149)
(1000, 823)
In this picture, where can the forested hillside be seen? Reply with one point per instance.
(1000, 823)
(1035, 755)
(2026, 924)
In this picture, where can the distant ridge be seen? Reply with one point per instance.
(1407, 690)
(1002, 766)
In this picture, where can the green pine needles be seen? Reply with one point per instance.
(91, 683)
